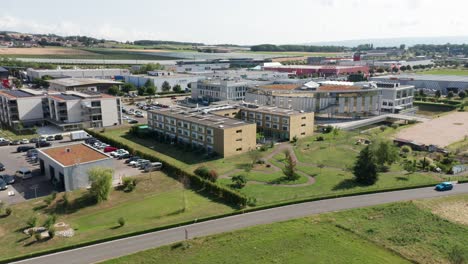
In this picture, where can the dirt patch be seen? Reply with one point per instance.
(453, 211)
(43, 51)
(441, 131)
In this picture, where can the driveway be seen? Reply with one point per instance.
(126, 246)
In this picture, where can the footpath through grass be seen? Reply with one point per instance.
(394, 233)
(158, 200)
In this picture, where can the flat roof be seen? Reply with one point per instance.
(273, 110)
(65, 97)
(280, 86)
(67, 82)
(16, 93)
(314, 67)
(74, 154)
(198, 117)
(337, 88)
(427, 77)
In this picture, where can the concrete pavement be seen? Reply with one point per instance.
(121, 247)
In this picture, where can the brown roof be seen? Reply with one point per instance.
(78, 153)
(339, 88)
(280, 86)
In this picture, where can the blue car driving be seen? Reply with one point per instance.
(444, 186)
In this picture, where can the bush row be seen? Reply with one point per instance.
(442, 106)
(196, 182)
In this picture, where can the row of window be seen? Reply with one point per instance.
(182, 124)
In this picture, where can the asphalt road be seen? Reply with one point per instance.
(121, 247)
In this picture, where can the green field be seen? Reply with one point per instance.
(395, 233)
(297, 54)
(461, 71)
(157, 201)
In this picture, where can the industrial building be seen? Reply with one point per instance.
(77, 73)
(201, 66)
(68, 110)
(67, 166)
(223, 135)
(159, 77)
(219, 90)
(442, 83)
(81, 84)
(320, 70)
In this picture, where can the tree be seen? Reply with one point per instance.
(239, 181)
(402, 46)
(177, 88)
(409, 166)
(18, 83)
(290, 167)
(255, 156)
(437, 94)
(365, 169)
(166, 87)
(450, 95)
(403, 68)
(150, 90)
(141, 90)
(462, 94)
(121, 221)
(127, 87)
(113, 90)
(421, 93)
(101, 183)
(385, 153)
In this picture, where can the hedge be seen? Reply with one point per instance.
(218, 191)
(443, 106)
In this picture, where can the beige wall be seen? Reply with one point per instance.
(227, 140)
(296, 128)
(30, 108)
(109, 109)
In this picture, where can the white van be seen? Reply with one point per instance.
(153, 166)
(24, 173)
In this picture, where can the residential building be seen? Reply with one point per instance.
(219, 90)
(427, 82)
(396, 97)
(223, 135)
(81, 84)
(67, 166)
(67, 110)
(77, 73)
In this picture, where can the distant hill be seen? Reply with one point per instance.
(395, 42)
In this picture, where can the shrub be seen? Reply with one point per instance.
(65, 201)
(128, 184)
(406, 149)
(50, 221)
(394, 126)
(51, 232)
(327, 129)
(383, 128)
(32, 221)
(319, 138)
(8, 211)
(121, 221)
(38, 237)
(425, 162)
(239, 181)
(213, 176)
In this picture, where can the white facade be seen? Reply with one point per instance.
(173, 79)
(78, 73)
(396, 97)
(219, 90)
(188, 68)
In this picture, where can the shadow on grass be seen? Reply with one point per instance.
(402, 178)
(347, 184)
(73, 206)
(283, 180)
(245, 166)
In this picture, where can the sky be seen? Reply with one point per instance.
(244, 22)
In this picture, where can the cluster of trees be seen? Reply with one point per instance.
(373, 159)
(427, 49)
(300, 48)
(149, 67)
(42, 82)
(148, 89)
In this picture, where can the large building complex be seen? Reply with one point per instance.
(159, 77)
(223, 135)
(67, 110)
(81, 84)
(442, 83)
(318, 69)
(67, 166)
(77, 73)
(219, 90)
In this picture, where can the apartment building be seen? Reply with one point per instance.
(396, 97)
(67, 110)
(274, 122)
(223, 135)
(219, 90)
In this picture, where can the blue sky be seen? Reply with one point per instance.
(238, 21)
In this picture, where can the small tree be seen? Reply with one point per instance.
(65, 201)
(409, 166)
(239, 181)
(150, 90)
(213, 176)
(121, 221)
(437, 94)
(113, 90)
(385, 153)
(406, 149)
(290, 167)
(450, 95)
(127, 87)
(255, 156)
(38, 237)
(166, 87)
(101, 183)
(51, 232)
(177, 88)
(50, 221)
(462, 94)
(365, 169)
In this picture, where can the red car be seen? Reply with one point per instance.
(109, 149)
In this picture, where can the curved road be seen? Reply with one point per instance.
(121, 247)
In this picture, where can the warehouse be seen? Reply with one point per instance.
(318, 69)
(159, 77)
(67, 166)
(81, 84)
(77, 73)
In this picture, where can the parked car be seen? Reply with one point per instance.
(110, 149)
(132, 121)
(134, 163)
(58, 137)
(15, 142)
(34, 158)
(139, 115)
(8, 179)
(2, 167)
(444, 186)
(42, 144)
(90, 141)
(132, 159)
(118, 152)
(152, 166)
(24, 173)
(24, 141)
(4, 143)
(142, 164)
(3, 185)
(31, 152)
(24, 148)
(124, 156)
(33, 140)
(50, 138)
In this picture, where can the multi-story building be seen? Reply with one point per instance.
(396, 97)
(77, 73)
(274, 122)
(81, 84)
(68, 110)
(159, 77)
(219, 90)
(223, 135)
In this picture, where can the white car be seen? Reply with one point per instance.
(133, 163)
(118, 153)
(24, 141)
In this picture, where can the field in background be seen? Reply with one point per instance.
(446, 72)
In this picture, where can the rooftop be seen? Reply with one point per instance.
(273, 110)
(280, 86)
(427, 77)
(70, 82)
(315, 67)
(197, 117)
(16, 93)
(333, 88)
(74, 154)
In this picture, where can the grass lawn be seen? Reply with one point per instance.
(157, 201)
(8, 134)
(461, 71)
(297, 241)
